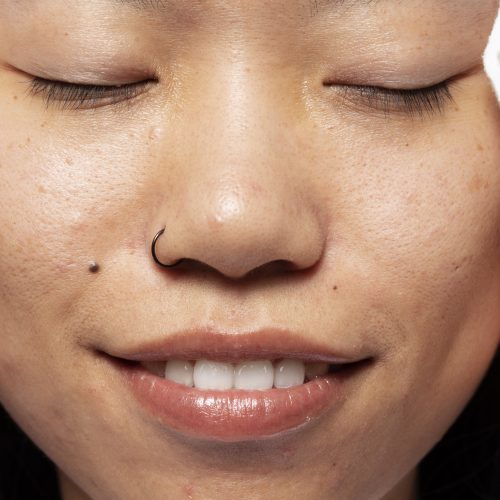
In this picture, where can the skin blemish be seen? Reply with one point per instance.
(68, 161)
(188, 490)
(94, 267)
(154, 133)
(477, 183)
(288, 452)
(14, 97)
(335, 287)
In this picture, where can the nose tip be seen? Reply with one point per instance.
(236, 232)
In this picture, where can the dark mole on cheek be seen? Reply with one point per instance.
(93, 267)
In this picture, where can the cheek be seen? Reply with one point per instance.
(417, 228)
(423, 217)
(61, 191)
(59, 198)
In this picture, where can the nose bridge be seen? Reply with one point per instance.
(242, 155)
(240, 202)
(243, 108)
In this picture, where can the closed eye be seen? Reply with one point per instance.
(413, 102)
(420, 101)
(74, 96)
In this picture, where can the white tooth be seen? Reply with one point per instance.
(288, 373)
(213, 375)
(180, 371)
(316, 370)
(254, 375)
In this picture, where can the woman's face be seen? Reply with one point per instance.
(307, 194)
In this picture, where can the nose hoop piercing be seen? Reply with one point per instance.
(153, 244)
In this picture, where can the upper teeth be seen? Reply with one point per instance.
(249, 375)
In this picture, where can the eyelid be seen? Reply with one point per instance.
(421, 102)
(418, 101)
(75, 96)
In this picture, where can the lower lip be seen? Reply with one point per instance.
(233, 415)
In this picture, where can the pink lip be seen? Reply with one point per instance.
(269, 343)
(234, 415)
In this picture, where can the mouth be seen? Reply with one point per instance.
(253, 374)
(237, 387)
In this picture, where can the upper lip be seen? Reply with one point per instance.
(266, 343)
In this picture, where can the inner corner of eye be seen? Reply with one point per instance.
(341, 82)
(329, 82)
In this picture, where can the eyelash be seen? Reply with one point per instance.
(73, 96)
(423, 101)
(413, 102)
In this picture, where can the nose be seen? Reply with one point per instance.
(238, 196)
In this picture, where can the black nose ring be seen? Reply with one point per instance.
(158, 234)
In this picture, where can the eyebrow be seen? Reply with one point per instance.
(314, 5)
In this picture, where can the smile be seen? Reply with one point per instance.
(237, 387)
(252, 374)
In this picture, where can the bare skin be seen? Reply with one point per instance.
(255, 142)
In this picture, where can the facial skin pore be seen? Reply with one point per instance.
(254, 143)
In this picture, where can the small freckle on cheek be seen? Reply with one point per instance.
(14, 97)
(94, 267)
(68, 161)
(477, 183)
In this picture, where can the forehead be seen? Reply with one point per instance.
(313, 6)
(266, 10)
(353, 23)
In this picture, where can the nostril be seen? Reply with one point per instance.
(274, 267)
(267, 269)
